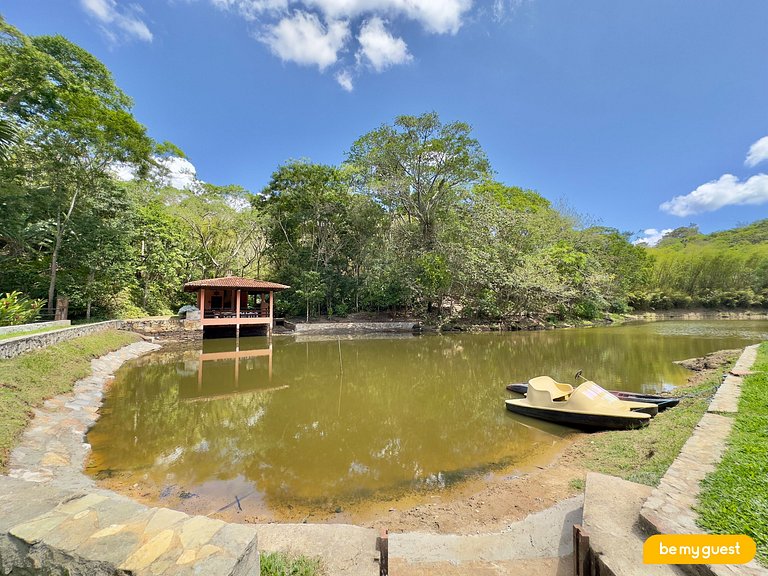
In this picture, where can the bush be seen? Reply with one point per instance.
(15, 308)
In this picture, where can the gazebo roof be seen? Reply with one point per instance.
(233, 282)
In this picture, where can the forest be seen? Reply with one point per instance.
(412, 222)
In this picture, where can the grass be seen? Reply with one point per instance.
(30, 332)
(734, 498)
(643, 455)
(281, 564)
(27, 380)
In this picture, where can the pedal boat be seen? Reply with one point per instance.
(663, 402)
(588, 406)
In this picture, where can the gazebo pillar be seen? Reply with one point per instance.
(237, 313)
(271, 312)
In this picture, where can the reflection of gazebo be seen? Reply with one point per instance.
(224, 383)
(234, 301)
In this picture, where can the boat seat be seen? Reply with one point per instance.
(545, 388)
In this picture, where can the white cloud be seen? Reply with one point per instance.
(118, 22)
(177, 172)
(501, 8)
(758, 152)
(303, 39)
(379, 47)
(251, 9)
(438, 16)
(344, 78)
(319, 32)
(727, 191)
(652, 236)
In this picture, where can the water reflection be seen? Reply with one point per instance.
(339, 420)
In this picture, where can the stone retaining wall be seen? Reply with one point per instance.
(168, 326)
(35, 326)
(700, 315)
(357, 327)
(13, 347)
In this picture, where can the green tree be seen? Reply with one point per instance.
(419, 169)
(78, 123)
(317, 224)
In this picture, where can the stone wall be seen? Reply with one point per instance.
(35, 326)
(167, 326)
(700, 315)
(357, 327)
(12, 347)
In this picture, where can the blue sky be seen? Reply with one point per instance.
(638, 114)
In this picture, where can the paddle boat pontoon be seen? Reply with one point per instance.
(587, 406)
(663, 402)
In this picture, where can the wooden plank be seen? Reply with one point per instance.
(382, 545)
(585, 567)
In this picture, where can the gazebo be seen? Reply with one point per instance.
(235, 301)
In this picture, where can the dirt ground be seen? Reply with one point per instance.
(487, 504)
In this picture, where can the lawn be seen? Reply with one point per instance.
(30, 332)
(27, 380)
(734, 498)
(643, 455)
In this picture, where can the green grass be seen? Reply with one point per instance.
(734, 498)
(30, 332)
(27, 380)
(643, 455)
(281, 564)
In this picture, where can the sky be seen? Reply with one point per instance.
(642, 116)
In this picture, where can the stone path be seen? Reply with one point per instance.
(670, 509)
(65, 532)
(53, 448)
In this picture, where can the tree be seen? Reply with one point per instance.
(316, 224)
(419, 168)
(77, 122)
(227, 235)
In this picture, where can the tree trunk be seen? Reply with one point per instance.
(55, 262)
(91, 275)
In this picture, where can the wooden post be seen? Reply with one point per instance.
(62, 308)
(271, 311)
(201, 303)
(582, 565)
(382, 545)
(237, 313)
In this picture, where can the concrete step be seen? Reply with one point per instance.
(104, 534)
(537, 545)
(611, 509)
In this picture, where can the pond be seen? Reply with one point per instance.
(273, 427)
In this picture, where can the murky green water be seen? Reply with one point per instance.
(336, 421)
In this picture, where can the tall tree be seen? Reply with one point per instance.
(78, 124)
(419, 168)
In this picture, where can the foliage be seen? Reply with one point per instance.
(726, 269)
(281, 564)
(16, 309)
(419, 168)
(734, 498)
(410, 223)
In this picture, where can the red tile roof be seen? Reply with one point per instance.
(233, 282)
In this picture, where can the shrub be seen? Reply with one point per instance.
(15, 308)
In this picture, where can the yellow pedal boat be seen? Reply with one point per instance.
(587, 406)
